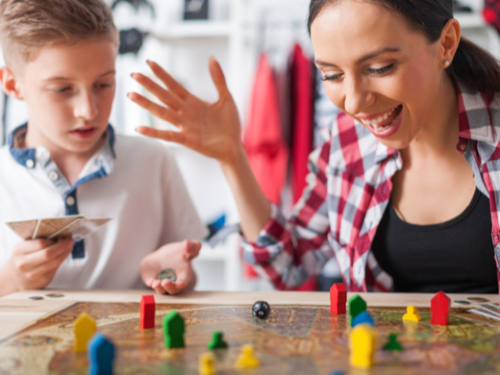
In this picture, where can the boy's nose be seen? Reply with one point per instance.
(86, 107)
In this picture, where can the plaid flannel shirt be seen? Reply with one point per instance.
(348, 190)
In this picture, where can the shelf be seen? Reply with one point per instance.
(470, 20)
(196, 30)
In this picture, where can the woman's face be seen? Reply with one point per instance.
(377, 70)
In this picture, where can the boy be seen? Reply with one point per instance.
(66, 160)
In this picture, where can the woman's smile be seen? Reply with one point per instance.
(384, 124)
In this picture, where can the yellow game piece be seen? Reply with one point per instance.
(206, 364)
(246, 358)
(85, 328)
(411, 314)
(362, 346)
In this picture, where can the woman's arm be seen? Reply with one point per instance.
(212, 129)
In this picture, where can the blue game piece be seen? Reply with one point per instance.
(101, 353)
(336, 373)
(363, 317)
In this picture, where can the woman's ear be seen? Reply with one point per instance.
(9, 83)
(450, 39)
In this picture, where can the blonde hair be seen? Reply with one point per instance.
(28, 25)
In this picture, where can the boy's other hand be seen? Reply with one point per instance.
(212, 129)
(34, 263)
(177, 256)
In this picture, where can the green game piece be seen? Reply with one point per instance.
(217, 341)
(173, 328)
(355, 306)
(392, 343)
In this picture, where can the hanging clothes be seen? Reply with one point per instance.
(302, 118)
(267, 153)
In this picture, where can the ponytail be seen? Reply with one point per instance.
(475, 67)
(471, 64)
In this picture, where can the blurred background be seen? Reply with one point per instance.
(265, 52)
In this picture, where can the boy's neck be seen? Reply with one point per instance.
(70, 163)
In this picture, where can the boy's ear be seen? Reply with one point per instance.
(9, 83)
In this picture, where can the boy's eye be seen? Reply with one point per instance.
(62, 90)
(381, 71)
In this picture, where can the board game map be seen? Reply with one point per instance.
(293, 340)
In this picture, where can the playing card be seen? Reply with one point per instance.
(76, 226)
(46, 227)
(79, 228)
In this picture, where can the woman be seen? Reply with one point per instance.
(405, 190)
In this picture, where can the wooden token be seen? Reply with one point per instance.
(54, 295)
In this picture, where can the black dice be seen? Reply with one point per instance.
(261, 309)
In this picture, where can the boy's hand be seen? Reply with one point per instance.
(34, 263)
(177, 256)
(212, 129)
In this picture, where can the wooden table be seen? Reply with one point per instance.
(16, 310)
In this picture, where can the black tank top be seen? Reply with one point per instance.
(456, 256)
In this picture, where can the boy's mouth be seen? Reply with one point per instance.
(84, 133)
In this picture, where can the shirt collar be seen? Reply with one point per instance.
(474, 117)
(27, 157)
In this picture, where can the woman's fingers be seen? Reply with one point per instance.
(218, 76)
(166, 135)
(159, 111)
(167, 79)
(167, 97)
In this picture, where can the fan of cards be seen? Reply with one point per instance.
(76, 226)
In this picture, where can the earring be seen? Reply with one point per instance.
(447, 63)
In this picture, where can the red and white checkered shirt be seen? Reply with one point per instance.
(349, 186)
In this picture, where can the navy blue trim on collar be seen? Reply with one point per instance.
(23, 155)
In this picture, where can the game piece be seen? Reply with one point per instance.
(355, 306)
(460, 302)
(440, 308)
(338, 299)
(101, 353)
(206, 364)
(148, 309)
(362, 346)
(261, 309)
(35, 298)
(247, 359)
(392, 343)
(362, 318)
(167, 273)
(478, 299)
(84, 329)
(411, 314)
(173, 328)
(336, 373)
(217, 341)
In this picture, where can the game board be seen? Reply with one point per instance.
(293, 340)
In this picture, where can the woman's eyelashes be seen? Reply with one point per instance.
(379, 72)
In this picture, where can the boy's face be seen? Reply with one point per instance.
(69, 92)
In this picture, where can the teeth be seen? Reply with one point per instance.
(375, 123)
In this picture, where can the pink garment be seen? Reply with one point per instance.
(267, 153)
(303, 119)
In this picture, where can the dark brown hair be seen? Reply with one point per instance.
(26, 25)
(471, 64)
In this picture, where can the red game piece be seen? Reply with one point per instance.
(440, 308)
(148, 307)
(338, 299)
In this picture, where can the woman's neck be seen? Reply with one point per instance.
(439, 136)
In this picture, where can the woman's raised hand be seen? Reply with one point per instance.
(212, 129)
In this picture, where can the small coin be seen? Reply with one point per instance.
(478, 299)
(35, 298)
(462, 302)
(54, 295)
(168, 273)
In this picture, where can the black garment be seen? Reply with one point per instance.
(456, 256)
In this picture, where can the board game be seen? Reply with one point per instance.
(293, 340)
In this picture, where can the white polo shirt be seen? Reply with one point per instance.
(134, 181)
